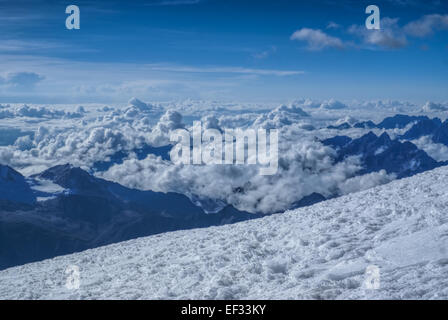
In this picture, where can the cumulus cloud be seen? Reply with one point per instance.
(317, 39)
(211, 122)
(281, 116)
(434, 107)
(365, 182)
(142, 106)
(393, 105)
(307, 103)
(243, 120)
(169, 122)
(24, 143)
(304, 169)
(305, 165)
(332, 104)
(83, 142)
(39, 112)
(6, 155)
(437, 151)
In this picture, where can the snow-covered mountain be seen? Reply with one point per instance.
(77, 211)
(398, 121)
(14, 188)
(377, 153)
(318, 252)
(435, 128)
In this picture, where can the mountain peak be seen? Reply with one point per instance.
(399, 121)
(14, 187)
(9, 174)
(384, 137)
(73, 178)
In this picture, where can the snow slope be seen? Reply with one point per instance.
(318, 252)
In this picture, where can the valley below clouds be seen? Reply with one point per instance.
(129, 144)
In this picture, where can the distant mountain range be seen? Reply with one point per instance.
(140, 153)
(381, 153)
(66, 209)
(399, 156)
(435, 128)
(87, 212)
(398, 121)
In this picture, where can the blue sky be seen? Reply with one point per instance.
(222, 49)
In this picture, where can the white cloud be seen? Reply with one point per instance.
(437, 151)
(237, 70)
(434, 107)
(21, 80)
(427, 25)
(281, 116)
(365, 182)
(305, 165)
(390, 35)
(393, 36)
(333, 25)
(39, 112)
(305, 168)
(316, 39)
(333, 104)
(266, 53)
(170, 121)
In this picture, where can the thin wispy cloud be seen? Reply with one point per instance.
(333, 25)
(21, 80)
(113, 81)
(417, 3)
(235, 70)
(174, 2)
(427, 25)
(11, 45)
(265, 54)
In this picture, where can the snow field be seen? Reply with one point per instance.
(318, 252)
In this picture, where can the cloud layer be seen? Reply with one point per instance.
(86, 135)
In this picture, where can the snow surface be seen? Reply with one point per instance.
(318, 252)
(47, 187)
